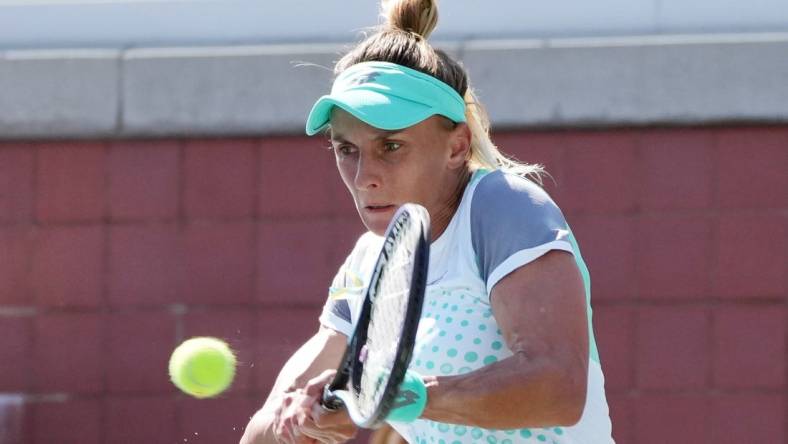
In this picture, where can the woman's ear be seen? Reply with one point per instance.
(460, 145)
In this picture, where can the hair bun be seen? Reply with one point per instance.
(416, 16)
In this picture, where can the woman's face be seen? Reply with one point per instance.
(384, 169)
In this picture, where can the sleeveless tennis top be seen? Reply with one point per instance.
(502, 223)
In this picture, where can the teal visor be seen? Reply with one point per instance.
(387, 96)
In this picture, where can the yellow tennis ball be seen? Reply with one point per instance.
(202, 367)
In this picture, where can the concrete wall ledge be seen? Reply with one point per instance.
(261, 90)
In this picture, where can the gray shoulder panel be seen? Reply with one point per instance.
(511, 214)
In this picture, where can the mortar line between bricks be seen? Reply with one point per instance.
(680, 212)
(178, 412)
(785, 333)
(28, 311)
(255, 333)
(327, 217)
(105, 274)
(31, 311)
(711, 345)
(562, 156)
(637, 221)
(178, 312)
(180, 216)
(713, 245)
(257, 179)
(180, 213)
(34, 222)
(692, 303)
(638, 305)
(61, 397)
(762, 390)
(31, 374)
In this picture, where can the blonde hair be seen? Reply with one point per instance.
(402, 39)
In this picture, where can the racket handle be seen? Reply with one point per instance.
(331, 401)
(411, 399)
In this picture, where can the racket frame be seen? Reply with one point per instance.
(351, 367)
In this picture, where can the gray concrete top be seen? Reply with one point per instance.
(258, 90)
(145, 23)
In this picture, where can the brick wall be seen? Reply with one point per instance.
(111, 253)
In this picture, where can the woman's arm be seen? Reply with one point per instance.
(323, 351)
(541, 311)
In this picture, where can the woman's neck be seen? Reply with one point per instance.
(442, 216)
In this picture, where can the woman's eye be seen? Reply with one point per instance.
(393, 146)
(344, 150)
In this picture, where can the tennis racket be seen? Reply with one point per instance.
(368, 380)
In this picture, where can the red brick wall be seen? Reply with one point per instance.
(112, 253)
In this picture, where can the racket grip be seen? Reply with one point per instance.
(411, 399)
(331, 401)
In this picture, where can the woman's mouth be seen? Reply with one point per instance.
(378, 208)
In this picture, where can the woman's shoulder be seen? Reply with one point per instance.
(513, 221)
(499, 192)
(508, 207)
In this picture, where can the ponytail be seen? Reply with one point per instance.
(417, 16)
(484, 153)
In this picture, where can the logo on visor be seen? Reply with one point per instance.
(363, 78)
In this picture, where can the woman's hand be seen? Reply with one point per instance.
(325, 426)
(288, 404)
(292, 411)
(301, 419)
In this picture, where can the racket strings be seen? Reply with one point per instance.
(387, 318)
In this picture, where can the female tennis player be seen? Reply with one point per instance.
(505, 346)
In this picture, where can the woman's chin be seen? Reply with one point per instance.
(377, 220)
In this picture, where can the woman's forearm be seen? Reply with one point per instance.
(260, 429)
(515, 392)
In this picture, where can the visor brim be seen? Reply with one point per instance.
(371, 107)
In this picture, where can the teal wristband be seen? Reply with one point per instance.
(411, 399)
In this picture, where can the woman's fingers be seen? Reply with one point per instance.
(314, 387)
(302, 420)
(334, 424)
(294, 407)
(331, 418)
